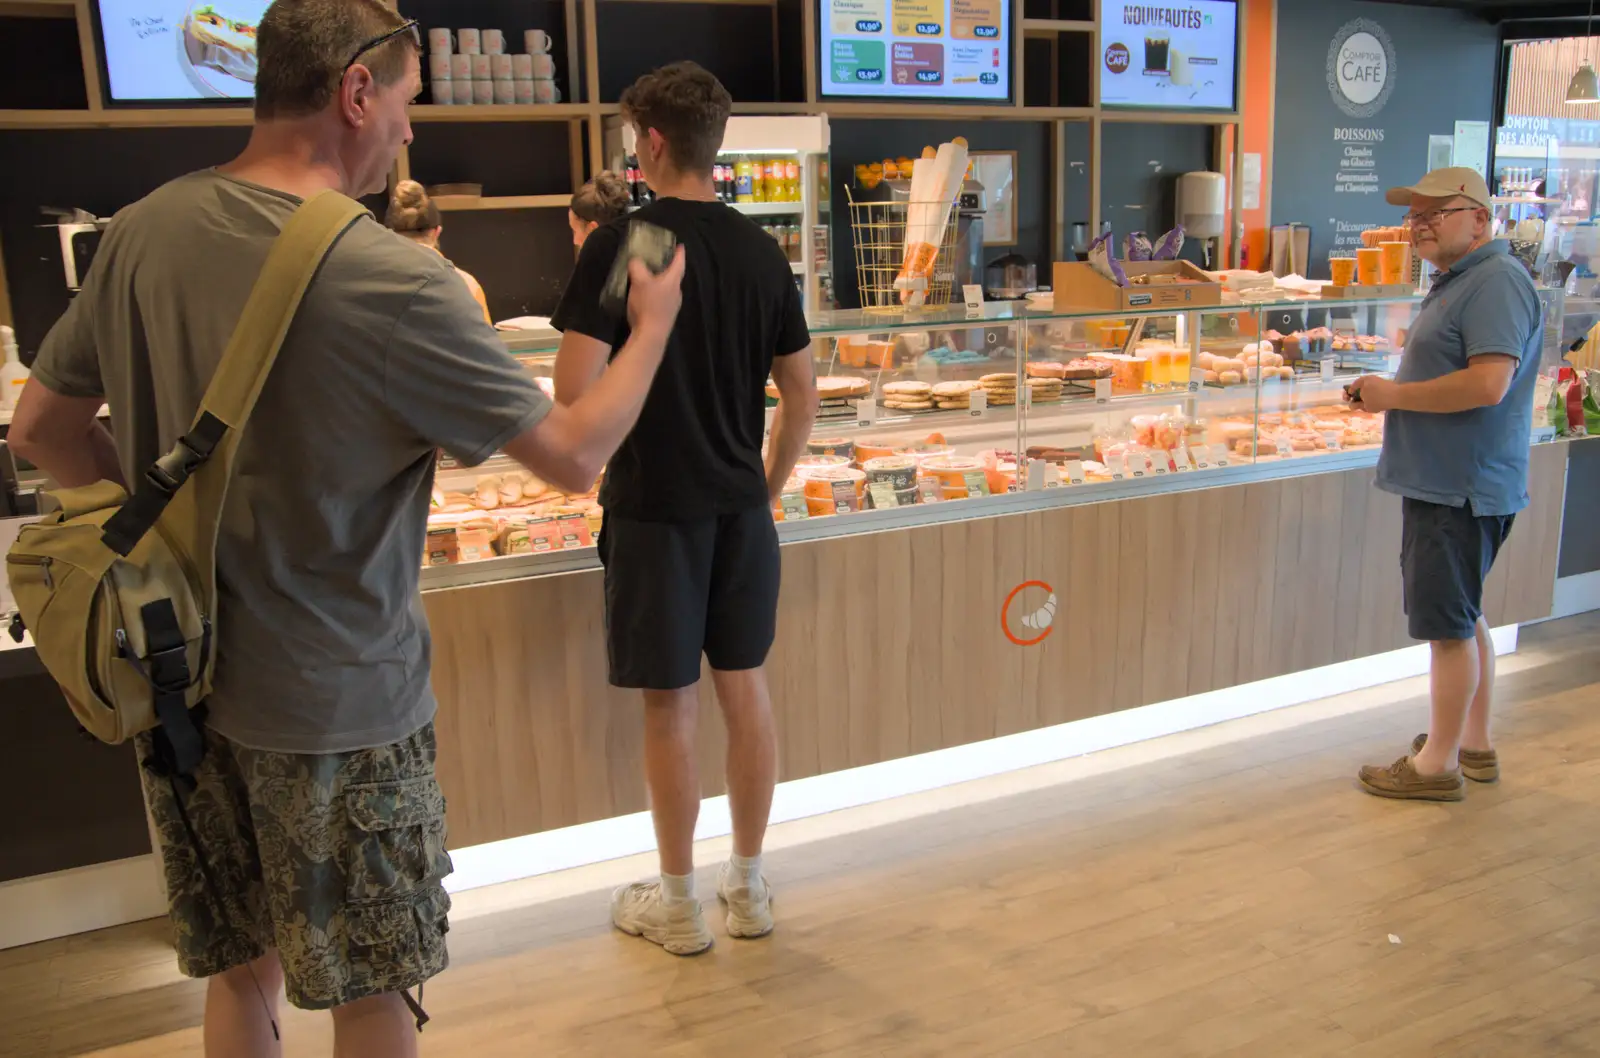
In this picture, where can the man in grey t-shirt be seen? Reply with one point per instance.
(1455, 449)
(316, 809)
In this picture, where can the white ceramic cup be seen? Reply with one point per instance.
(482, 92)
(461, 91)
(461, 67)
(522, 90)
(545, 91)
(537, 41)
(482, 68)
(494, 41)
(444, 93)
(504, 91)
(441, 41)
(439, 66)
(499, 67)
(522, 67)
(544, 66)
(469, 41)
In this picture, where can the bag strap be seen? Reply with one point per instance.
(293, 262)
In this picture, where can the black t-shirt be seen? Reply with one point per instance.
(696, 450)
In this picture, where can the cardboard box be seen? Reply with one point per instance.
(1078, 286)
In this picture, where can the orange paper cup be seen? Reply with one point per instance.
(1344, 271)
(1396, 262)
(1369, 266)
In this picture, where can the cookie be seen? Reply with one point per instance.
(1004, 377)
(961, 390)
(952, 405)
(907, 389)
(909, 405)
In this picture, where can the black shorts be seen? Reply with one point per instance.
(1446, 554)
(675, 590)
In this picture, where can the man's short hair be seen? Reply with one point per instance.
(688, 106)
(304, 46)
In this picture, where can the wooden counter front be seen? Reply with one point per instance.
(891, 643)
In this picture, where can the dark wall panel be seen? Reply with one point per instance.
(40, 66)
(733, 41)
(510, 158)
(1443, 71)
(1139, 175)
(521, 256)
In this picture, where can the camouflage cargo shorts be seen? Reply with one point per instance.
(335, 860)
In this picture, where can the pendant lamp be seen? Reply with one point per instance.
(1585, 88)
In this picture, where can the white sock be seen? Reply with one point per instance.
(675, 887)
(746, 869)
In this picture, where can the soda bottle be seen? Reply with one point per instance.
(744, 181)
(791, 181)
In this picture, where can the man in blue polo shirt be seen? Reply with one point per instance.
(1455, 449)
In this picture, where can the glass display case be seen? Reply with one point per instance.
(934, 414)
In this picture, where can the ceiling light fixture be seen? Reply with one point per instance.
(1585, 87)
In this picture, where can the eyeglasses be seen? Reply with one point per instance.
(1432, 217)
(409, 27)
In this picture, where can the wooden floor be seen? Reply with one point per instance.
(1242, 900)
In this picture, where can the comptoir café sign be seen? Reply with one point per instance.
(1361, 68)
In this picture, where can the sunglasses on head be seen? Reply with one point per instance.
(409, 27)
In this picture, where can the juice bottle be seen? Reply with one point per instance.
(775, 172)
(791, 181)
(743, 181)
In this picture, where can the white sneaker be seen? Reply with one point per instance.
(640, 911)
(749, 907)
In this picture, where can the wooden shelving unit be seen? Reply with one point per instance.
(585, 115)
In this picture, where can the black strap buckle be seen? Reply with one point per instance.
(17, 629)
(169, 472)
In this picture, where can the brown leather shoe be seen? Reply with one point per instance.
(1401, 782)
(1479, 765)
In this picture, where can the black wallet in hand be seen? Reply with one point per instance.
(650, 243)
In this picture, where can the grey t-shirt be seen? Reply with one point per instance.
(322, 642)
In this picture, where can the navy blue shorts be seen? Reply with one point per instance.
(1446, 554)
(677, 590)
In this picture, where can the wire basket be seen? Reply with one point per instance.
(879, 232)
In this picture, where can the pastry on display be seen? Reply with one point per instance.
(948, 395)
(1000, 388)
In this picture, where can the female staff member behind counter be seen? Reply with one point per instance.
(600, 201)
(413, 214)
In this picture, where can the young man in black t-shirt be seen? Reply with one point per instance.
(689, 546)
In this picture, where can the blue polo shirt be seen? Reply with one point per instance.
(1485, 304)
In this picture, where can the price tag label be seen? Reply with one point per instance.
(1159, 463)
(1102, 390)
(979, 401)
(1074, 471)
(1327, 370)
(1037, 471)
(866, 412)
(1138, 464)
(973, 293)
(1119, 467)
(1331, 441)
(977, 483)
(929, 491)
(1219, 455)
(883, 495)
(1180, 460)
(794, 507)
(1202, 458)
(1197, 379)
(845, 499)
(1543, 434)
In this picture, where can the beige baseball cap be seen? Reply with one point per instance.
(1444, 183)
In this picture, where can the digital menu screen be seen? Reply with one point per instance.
(1168, 56)
(916, 49)
(158, 50)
